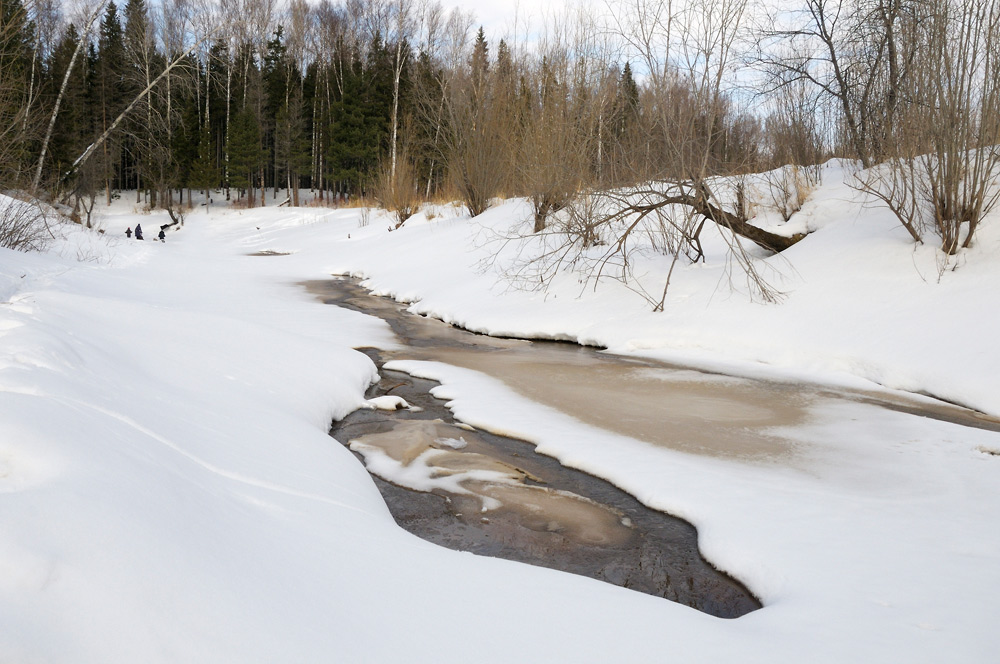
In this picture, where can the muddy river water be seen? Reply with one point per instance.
(475, 491)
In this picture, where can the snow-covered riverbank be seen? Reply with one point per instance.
(169, 492)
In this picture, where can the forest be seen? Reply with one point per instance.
(639, 106)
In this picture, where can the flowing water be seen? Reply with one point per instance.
(475, 491)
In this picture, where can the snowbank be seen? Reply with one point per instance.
(863, 306)
(170, 493)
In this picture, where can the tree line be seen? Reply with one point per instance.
(401, 101)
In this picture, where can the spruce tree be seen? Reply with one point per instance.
(17, 125)
(203, 174)
(626, 102)
(275, 77)
(185, 137)
(360, 121)
(291, 144)
(138, 71)
(73, 129)
(426, 125)
(480, 61)
(378, 79)
(351, 152)
(109, 93)
(245, 153)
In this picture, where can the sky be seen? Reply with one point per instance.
(504, 16)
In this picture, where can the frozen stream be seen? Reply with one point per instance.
(475, 491)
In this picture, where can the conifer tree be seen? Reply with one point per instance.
(138, 72)
(627, 102)
(66, 79)
(425, 124)
(245, 153)
(73, 127)
(185, 139)
(359, 124)
(292, 157)
(276, 80)
(479, 63)
(109, 92)
(378, 98)
(17, 125)
(203, 174)
(347, 154)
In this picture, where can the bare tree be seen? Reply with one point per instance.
(852, 52)
(402, 29)
(474, 131)
(941, 177)
(560, 128)
(442, 43)
(179, 60)
(395, 187)
(687, 123)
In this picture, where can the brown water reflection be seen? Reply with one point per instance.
(671, 406)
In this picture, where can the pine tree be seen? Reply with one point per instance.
(626, 103)
(203, 174)
(141, 141)
(185, 137)
(74, 125)
(109, 93)
(359, 126)
(291, 147)
(275, 76)
(378, 93)
(17, 125)
(245, 153)
(480, 61)
(347, 153)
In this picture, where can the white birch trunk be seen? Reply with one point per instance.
(62, 92)
(138, 98)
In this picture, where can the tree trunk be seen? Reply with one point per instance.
(397, 74)
(62, 92)
(107, 132)
(701, 205)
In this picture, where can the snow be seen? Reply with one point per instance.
(168, 490)
(387, 402)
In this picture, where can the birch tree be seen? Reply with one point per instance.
(402, 29)
(82, 41)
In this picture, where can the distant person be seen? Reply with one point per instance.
(138, 231)
(128, 232)
(161, 236)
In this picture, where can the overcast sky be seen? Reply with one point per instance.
(498, 16)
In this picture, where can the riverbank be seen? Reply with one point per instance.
(170, 491)
(862, 306)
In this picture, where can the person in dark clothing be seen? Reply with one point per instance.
(128, 232)
(161, 236)
(138, 231)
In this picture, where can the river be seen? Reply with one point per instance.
(476, 491)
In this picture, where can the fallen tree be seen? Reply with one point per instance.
(598, 234)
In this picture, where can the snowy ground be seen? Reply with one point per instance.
(169, 492)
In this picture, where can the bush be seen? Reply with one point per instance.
(396, 191)
(24, 226)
